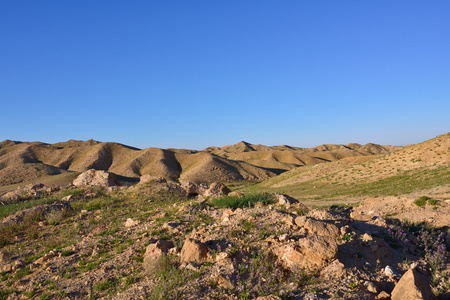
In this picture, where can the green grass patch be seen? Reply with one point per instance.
(248, 200)
(11, 208)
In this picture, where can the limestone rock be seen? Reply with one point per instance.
(217, 189)
(285, 200)
(193, 251)
(96, 178)
(318, 227)
(412, 286)
(313, 252)
(335, 270)
(11, 196)
(383, 296)
(154, 252)
(130, 223)
(193, 189)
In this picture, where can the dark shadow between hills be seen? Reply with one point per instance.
(127, 181)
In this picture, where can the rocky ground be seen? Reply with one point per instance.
(164, 240)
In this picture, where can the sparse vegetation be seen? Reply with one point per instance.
(243, 201)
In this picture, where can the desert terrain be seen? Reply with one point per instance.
(94, 220)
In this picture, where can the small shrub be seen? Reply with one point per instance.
(421, 201)
(104, 285)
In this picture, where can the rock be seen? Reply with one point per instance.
(318, 227)
(18, 264)
(270, 297)
(193, 251)
(389, 271)
(12, 196)
(223, 282)
(6, 268)
(217, 189)
(154, 252)
(147, 178)
(3, 257)
(236, 194)
(131, 223)
(383, 296)
(222, 255)
(412, 286)
(335, 270)
(68, 198)
(285, 200)
(193, 189)
(45, 258)
(371, 288)
(313, 253)
(96, 178)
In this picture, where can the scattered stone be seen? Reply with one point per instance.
(412, 286)
(18, 264)
(270, 297)
(131, 223)
(193, 251)
(389, 271)
(371, 287)
(154, 252)
(68, 198)
(383, 296)
(3, 257)
(335, 270)
(96, 178)
(223, 282)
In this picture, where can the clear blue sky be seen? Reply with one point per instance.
(192, 74)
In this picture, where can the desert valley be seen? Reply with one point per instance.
(102, 220)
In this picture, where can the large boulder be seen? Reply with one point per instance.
(312, 253)
(193, 251)
(412, 286)
(96, 178)
(318, 227)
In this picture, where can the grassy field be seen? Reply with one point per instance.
(321, 191)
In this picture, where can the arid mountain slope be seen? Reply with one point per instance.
(25, 161)
(427, 163)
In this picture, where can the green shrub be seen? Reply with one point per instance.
(242, 201)
(421, 201)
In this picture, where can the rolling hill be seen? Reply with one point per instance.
(28, 161)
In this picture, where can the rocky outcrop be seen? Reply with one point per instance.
(193, 251)
(317, 227)
(96, 178)
(311, 253)
(217, 189)
(412, 286)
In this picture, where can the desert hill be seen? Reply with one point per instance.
(409, 169)
(26, 161)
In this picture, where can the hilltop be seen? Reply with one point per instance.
(22, 162)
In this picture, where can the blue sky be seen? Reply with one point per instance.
(192, 74)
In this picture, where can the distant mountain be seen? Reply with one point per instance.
(27, 161)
